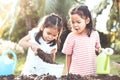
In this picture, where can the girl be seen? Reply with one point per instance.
(45, 37)
(81, 43)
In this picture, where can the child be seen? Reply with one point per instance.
(81, 43)
(45, 37)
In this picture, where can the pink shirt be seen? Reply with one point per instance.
(82, 49)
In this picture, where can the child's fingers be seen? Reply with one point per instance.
(34, 48)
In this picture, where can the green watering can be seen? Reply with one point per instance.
(103, 61)
(7, 65)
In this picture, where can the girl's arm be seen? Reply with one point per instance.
(68, 62)
(25, 42)
(98, 45)
(54, 53)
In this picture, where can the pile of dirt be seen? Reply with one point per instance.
(30, 77)
(63, 77)
(10, 77)
(99, 77)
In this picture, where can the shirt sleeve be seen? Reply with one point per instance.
(68, 44)
(98, 45)
(33, 32)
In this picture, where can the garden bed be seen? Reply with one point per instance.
(63, 77)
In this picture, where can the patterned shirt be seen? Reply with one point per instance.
(82, 49)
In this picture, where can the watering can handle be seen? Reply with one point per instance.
(106, 62)
(14, 55)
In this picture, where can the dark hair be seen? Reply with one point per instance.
(84, 12)
(51, 20)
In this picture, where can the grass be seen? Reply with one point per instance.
(115, 70)
(61, 59)
(20, 64)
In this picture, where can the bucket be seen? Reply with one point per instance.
(55, 69)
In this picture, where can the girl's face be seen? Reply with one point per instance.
(79, 24)
(50, 34)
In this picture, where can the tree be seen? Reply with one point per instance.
(113, 25)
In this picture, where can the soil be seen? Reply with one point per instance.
(63, 77)
(99, 77)
(45, 56)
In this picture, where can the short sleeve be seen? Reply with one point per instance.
(33, 32)
(68, 44)
(98, 45)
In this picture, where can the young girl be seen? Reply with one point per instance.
(81, 43)
(45, 37)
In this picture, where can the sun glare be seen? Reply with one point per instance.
(6, 9)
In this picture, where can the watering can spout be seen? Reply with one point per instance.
(7, 65)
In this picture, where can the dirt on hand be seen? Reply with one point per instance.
(45, 56)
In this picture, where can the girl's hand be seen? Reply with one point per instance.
(54, 53)
(34, 47)
(98, 51)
